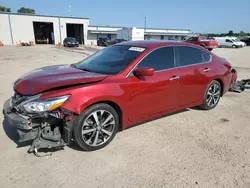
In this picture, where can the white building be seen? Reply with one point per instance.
(37, 28)
(94, 32)
(15, 27)
(131, 34)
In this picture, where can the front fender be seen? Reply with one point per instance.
(83, 97)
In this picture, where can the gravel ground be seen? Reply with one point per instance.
(192, 148)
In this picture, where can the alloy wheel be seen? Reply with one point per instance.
(213, 95)
(98, 128)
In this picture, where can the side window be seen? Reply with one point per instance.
(192, 39)
(227, 40)
(191, 56)
(205, 56)
(160, 59)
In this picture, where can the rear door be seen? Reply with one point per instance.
(195, 73)
(160, 92)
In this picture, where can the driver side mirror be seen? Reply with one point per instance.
(144, 71)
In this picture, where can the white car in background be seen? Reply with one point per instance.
(228, 42)
(238, 40)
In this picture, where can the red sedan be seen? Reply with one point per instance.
(117, 87)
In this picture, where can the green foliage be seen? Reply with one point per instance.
(230, 33)
(26, 10)
(4, 9)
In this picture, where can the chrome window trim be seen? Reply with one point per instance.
(176, 67)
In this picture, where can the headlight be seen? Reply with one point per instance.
(46, 105)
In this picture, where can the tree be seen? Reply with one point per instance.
(242, 34)
(230, 33)
(4, 9)
(26, 10)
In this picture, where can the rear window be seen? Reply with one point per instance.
(190, 56)
(111, 60)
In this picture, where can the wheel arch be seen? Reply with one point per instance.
(222, 85)
(114, 105)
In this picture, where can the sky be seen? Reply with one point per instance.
(203, 16)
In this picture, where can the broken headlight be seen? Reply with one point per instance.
(45, 105)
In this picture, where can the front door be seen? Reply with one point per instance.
(157, 93)
(195, 73)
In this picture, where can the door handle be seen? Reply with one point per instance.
(206, 70)
(174, 78)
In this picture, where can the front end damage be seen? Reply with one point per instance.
(50, 129)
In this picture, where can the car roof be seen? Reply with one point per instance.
(156, 43)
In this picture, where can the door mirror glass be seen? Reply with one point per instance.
(144, 71)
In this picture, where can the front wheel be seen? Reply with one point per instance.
(211, 96)
(96, 127)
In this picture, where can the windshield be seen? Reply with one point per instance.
(111, 60)
(236, 40)
(71, 39)
(105, 39)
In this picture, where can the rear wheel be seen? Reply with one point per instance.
(96, 127)
(211, 96)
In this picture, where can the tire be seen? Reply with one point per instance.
(87, 132)
(211, 93)
(234, 46)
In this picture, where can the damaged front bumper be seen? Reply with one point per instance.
(47, 130)
(23, 124)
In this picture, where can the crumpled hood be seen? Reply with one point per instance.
(50, 77)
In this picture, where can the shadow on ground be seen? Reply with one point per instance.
(12, 133)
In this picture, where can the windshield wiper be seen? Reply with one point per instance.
(86, 70)
(73, 65)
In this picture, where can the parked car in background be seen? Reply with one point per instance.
(227, 42)
(70, 42)
(118, 41)
(103, 41)
(115, 88)
(209, 44)
(246, 40)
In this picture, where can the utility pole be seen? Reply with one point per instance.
(145, 26)
(70, 12)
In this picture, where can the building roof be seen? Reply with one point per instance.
(108, 26)
(165, 33)
(102, 31)
(23, 14)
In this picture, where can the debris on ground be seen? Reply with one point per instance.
(240, 86)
